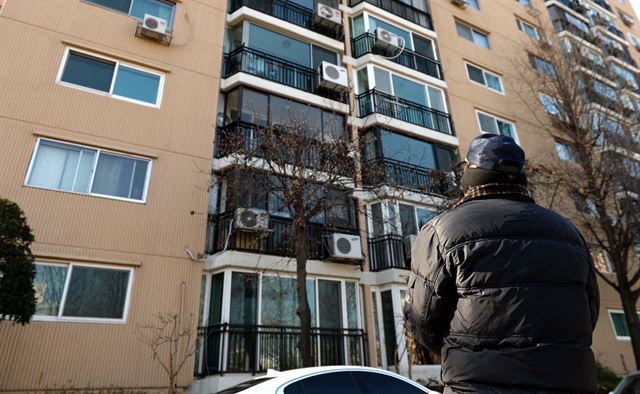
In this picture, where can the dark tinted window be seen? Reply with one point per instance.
(330, 383)
(294, 388)
(245, 385)
(377, 383)
(88, 71)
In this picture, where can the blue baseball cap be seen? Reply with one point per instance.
(495, 152)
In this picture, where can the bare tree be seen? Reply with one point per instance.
(172, 341)
(581, 97)
(307, 172)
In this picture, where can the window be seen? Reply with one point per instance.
(137, 8)
(526, 3)
(474, 4)
(81, 292)
(565, 151)
(635, 40)
(550, 104)
(604, 90)
(378, 383)
(619, 324)
(625, 76)
(542, 66)
(473, 35)
(78, 169)
(494, 125)
(584, 205)
(531, 31)
(333, 382)
(601, 261)
(112, 77)
(485, 78)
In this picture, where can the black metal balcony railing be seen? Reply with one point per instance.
(615, 31)
(279, 240)
(401, 9)
(603, 4)
(256, 348)
(375, 101)
(290, 12)
(621, 54)
(385, 171)
(389, 251)
(278, 70)
(574, 5)
(367, 43)
(245, 138)
(562, 25)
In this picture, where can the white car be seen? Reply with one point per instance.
(339, 379)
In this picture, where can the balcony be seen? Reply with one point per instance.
(256, 348)
(401, 9)
(603, 4)
(621, 54)
(562, 25)
(389, 251)
(263, 65)
(615, 31)
(375, 101)
(279, 240)
(385, 171)
(290, 12)
(366, 43)
(600, 99)
(574, 5)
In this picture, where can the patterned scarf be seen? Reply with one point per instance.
(493, 189)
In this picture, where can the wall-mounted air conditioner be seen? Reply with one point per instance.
(154, 28)
(251, 219)
(333, 77)
(387, 39)
(328, 16)
(345, 247)
(460, 3)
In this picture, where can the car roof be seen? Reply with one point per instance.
(285, 377)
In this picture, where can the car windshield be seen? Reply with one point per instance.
(244, 385)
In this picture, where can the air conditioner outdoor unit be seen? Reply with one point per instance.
(252, 219)
(386, 39)
(329, 16)
(154, 28)
(460, 3)
(345, 247)
(333, 77)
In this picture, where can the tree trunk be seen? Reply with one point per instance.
(631, 317)
(303, 311)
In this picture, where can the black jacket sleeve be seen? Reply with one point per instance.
(593, 293)
(431, 298)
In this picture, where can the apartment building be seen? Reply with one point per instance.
(399, 75)
(106, 113)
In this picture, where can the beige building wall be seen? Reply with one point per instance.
(150, 237)
(506, 56)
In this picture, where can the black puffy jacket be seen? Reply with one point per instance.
(506, 291)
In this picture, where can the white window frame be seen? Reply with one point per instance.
(521, 25)
(484, 71)
(473, 30)
(110, 93)
(128, 13)
(93, 171)
(610, 312)
(513, 125)
(63, 298)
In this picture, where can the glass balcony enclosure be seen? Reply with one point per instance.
(418, 53)
(392, 226)
(249, 323)
(258, 51)
(415, 11)
(380, 91)
(299, 12)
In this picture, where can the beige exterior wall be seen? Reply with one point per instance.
(497, 19)
(150, 237)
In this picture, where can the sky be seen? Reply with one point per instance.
(636, 6)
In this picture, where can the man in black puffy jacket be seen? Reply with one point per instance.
(504, 289)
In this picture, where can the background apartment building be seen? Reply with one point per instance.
(107, 140)
(399, 75)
